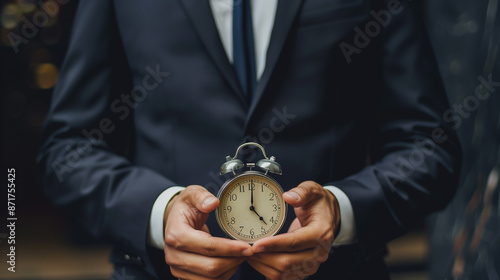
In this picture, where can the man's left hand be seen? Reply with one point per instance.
(299, 252)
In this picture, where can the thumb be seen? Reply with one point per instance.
(303, 194)
(200, 198)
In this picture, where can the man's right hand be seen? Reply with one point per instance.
(190, 250)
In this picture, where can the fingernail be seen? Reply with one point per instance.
(259, 249)
(209, 201)
(293, 195)
(247, 252)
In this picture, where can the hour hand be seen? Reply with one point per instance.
(260, 218)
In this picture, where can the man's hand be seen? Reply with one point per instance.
(299, 252)
(190, 250)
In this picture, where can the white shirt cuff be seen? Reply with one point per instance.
(347, 233)
(156, 235)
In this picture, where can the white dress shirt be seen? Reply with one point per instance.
(263, 15)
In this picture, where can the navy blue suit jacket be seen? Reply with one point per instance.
(147, 99)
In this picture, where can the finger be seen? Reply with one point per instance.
(200, 198)
(211, 267)
(188, 275)
(303, 194)
(181, 231)
(268, 271)
(294, 225)
(285, 260)
(200, 242)
(298, 240)
(302, 263)
(272, 273)
(205, 229)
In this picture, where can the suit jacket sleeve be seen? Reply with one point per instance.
(415, 156)
(80, 164)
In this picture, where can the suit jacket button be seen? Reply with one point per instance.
(127, 257)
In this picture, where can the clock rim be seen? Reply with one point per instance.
(246, 173)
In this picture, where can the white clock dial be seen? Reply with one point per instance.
(251, 207)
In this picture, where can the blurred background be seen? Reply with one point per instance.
(461, 242)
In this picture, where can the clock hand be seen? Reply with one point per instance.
(252, 208)
(251, 193)
(260, 218)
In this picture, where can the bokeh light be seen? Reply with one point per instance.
(10, 16)
(46, 75)
(27, 6)
(51, 8)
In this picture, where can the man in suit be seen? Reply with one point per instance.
(154, 94)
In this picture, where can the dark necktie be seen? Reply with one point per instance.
(243, 46)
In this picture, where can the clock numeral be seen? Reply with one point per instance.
(241, 228)
(229, 209)
(275, 207)
(233, 221)
(271, 196)
(233, 197)
(242, 188)
(252, 233)
(251, 187)
(262, 188)
(262, 229)
(272, 220)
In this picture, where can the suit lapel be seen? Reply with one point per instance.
(285, 15)
(201, 16)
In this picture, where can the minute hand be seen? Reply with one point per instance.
(251, 192)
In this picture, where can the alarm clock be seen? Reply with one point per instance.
(251, 202)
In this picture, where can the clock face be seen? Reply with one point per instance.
(251, 207)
